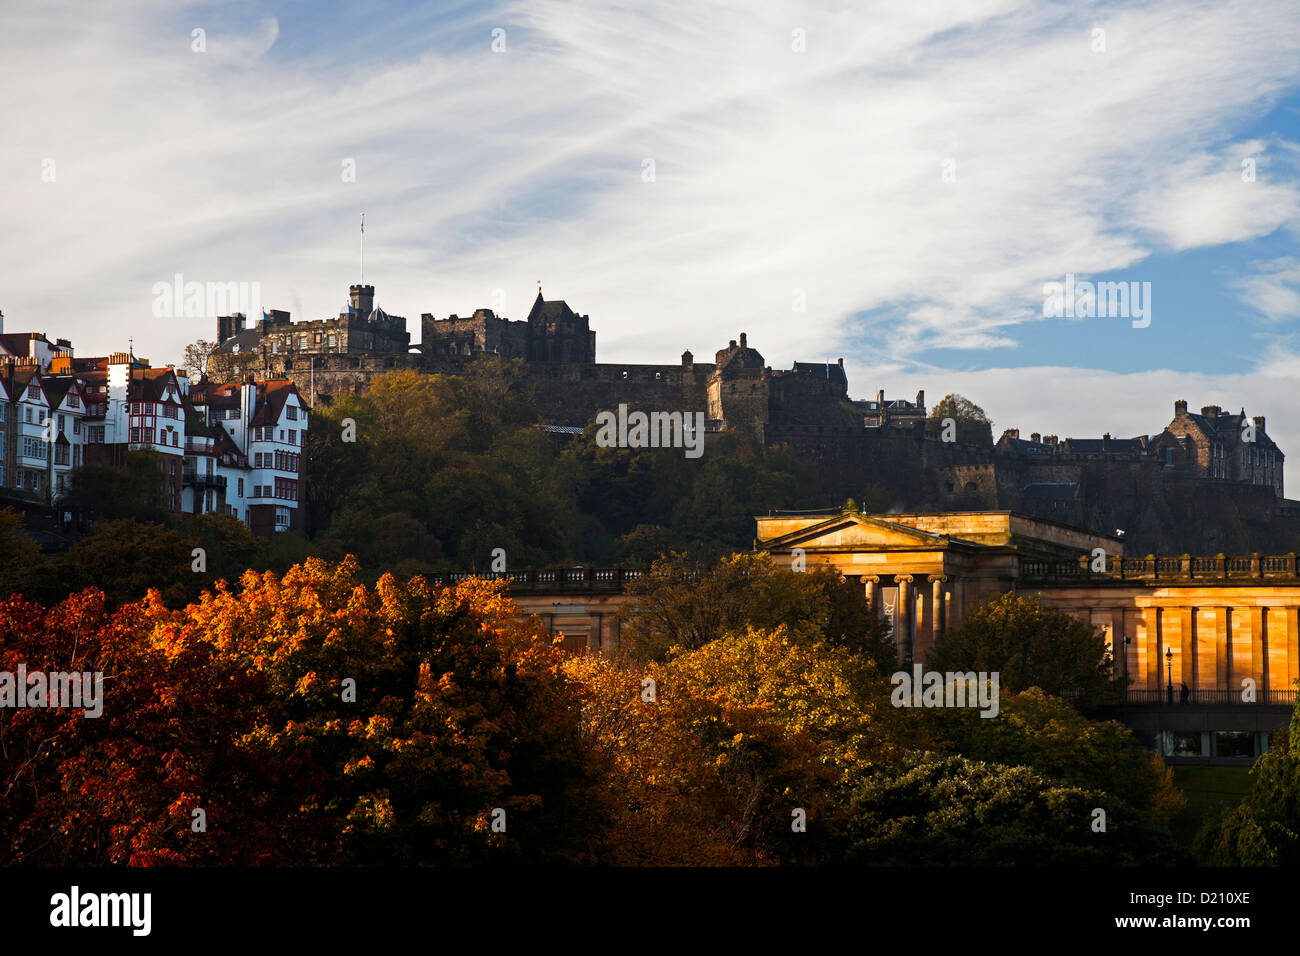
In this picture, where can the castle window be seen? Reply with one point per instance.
(658, 376)
(625, 373)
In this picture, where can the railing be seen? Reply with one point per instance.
(1226, 696)
(198, 479)
(1183, 569)
(565, 579)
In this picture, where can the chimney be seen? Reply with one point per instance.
(2, 323)
(362, 300)
(841, 362)
(1049, 439)
(1035, 438)
(920, 399)
(1105, 442)
(1180, 407)
(688, 359)
(1011, 433)
(1259, 422)
(1210, 411)
(731, 344)
(743, 340)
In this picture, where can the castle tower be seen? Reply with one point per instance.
(361, 300)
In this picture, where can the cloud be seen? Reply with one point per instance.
(779, 174)
(1274, 290)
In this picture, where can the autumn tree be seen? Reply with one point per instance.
(313, 719)
(1029, 645)
(689, 603)
(197, 354)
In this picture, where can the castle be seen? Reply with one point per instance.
(1206, 482)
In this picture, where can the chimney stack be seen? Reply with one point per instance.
(1210, 411)
(1036, 438)
(744, 343)
(1259, 422)
(1180, 407)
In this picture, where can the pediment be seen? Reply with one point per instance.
(855, 532)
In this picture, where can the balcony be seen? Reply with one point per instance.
(195, 479)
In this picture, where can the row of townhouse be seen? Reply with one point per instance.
(231, 448)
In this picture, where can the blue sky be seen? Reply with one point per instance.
(798, 148)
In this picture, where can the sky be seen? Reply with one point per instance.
(890, 183)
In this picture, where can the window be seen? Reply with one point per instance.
(27, 414)
(176, 437)
(33, 448)
(60, 454)
(2, 412)
(239, 489)
(63, 423)
(76, 426)
(293, 437)
(1169, 457)
(332, 340)
(33, 391)
(291, 413)
(73, 401)
(281, 519)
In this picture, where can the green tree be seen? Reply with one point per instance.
(950, 811)
(1053, 739)
(1264, 829)
(1028, 645)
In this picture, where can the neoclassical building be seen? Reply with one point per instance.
(1227, 627)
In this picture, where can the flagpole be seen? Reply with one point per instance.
(363, 248)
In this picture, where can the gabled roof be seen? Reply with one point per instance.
(552, 310)
(151, 384)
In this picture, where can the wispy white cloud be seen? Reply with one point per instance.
(778, 173)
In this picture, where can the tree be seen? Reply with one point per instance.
(126, 559)
(688, 603)
(19, 554)
(314, 719)
(132, 488)
(196, 357)
(950, 811)
(960, 408)
(1053, 739)
(1264, 829)
(1028, 645)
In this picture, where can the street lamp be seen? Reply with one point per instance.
(1169, 664)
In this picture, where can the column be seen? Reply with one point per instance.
(1151, 667)
(904, 616)
(937, 617)
(1211, 629)
(873, 602)
(1186, 667)
(1255, 666)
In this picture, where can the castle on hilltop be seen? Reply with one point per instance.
(1206, 482)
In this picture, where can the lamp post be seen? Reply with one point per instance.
(1169, 665)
